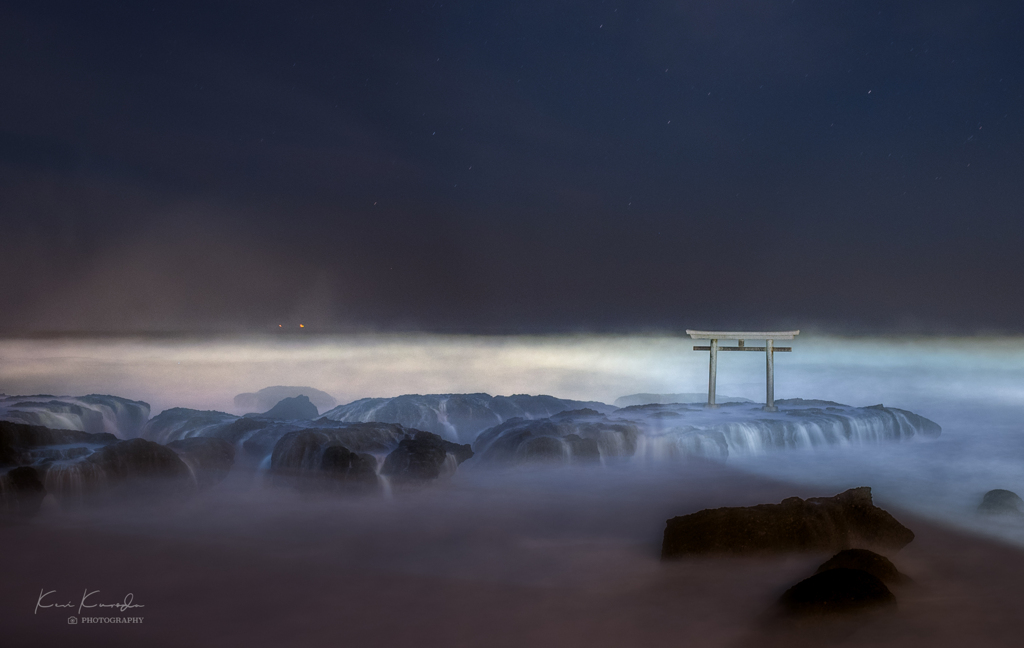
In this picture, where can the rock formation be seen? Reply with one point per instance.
(837, 591)
(1002, 502)
(424, 457)
(817, 524)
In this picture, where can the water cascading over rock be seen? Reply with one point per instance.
(578, 436)
(456, 417)
(424, 457)
(95, 413)
(136, 470)
(209, 459)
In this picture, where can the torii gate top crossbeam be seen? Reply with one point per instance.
(742, 335)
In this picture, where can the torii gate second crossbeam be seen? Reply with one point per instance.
(742, 336)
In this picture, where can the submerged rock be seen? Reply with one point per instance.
(210, 459)
(1002, 502)
(834, 591)
(875, 564)
(423, 457)
(21, 493)
(816, 524)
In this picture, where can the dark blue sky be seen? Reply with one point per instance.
(499, 166)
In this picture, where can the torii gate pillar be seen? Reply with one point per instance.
(741, 337)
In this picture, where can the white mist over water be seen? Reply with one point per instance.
(974, 389)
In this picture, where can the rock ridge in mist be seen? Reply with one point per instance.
(267, 397)
(296, 408)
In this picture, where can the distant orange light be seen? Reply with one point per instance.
(278, 326)
(302, 326)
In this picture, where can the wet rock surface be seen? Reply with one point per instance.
(816, 524)
(423, 457)
(302, 450)
(94, 413)
(837, 591)
(456, 416)
(348, 470)
(209, 458)
(22, 444)
(136, 470)
(567, 437)
(182, 423)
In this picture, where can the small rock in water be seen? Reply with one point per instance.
(837, 591)
(1002, 502)
(877, 565)
(815, 524)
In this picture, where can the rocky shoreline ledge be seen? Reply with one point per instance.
(372, 444)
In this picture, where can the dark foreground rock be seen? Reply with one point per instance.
(21, 493)
(209, 458)
(1002, 502)
(423, 457)
(837, 591)
(815, 524)
(875, 564)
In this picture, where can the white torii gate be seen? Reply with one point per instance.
(742, 336)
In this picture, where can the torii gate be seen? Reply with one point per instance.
(769, 349)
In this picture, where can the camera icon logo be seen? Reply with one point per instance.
(72, 620)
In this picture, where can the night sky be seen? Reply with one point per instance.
(512, 166)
